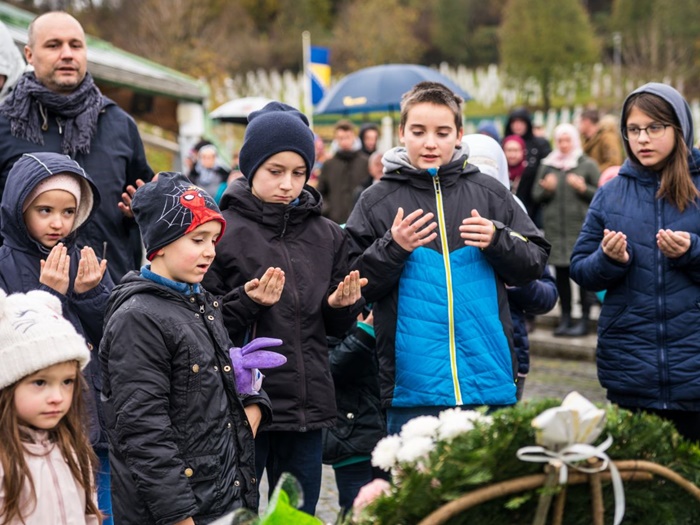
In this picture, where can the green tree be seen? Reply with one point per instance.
(368, 33)
(659, 37)
(544, 41)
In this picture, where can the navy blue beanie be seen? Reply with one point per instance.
(171, 207)
(273, 129)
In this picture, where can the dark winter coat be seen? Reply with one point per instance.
(444, 335)
(564, 209)
(360, 423)
(180, 442)
(339, 177)
(537, 148)
(20, 267)
(535, 298)
(116, 159)
(312, 251)
(648, 345)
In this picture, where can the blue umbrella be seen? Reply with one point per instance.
(379, 88)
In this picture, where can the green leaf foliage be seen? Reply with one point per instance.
(544, 40)
(487, 455)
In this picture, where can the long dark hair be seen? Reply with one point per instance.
(69, 435)
(676, 184)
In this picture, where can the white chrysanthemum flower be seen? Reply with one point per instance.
(384, 453)
(455, 421)
(414, 449)
(421, 426)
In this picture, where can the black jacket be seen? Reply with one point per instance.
(360, 423)
(180, 442)
(312, 251)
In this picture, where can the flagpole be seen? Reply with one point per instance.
(308, 104)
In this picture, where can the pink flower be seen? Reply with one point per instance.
(369, 493)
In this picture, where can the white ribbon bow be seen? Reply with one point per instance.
(571, 455)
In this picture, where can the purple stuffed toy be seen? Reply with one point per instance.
(247, 360)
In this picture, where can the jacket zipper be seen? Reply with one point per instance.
(297, 346)
(448, 281)
(57, 486)
(660, 307)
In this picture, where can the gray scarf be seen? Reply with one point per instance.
(28, 106)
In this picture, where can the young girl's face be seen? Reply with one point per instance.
(651, 153)
(50, 217)
(187, 259)
(43, 398)
(430, 135)
(565, 143)
(280, 178)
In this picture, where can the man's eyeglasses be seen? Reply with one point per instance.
(654, 131)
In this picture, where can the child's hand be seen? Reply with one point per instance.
(54, 271)
(549, 182)
(410, 232)
(673, 244)
(90, 271)
(348, 292)
(477, 231)
(268, 289)
(614, 245)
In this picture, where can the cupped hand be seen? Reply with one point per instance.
(348, 292)
(54, 272)
(267, 290)
(90, 271)
(614, 245)
(673, 244)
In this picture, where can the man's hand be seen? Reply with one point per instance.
(125, 204)
(412, 232)
(673, 244)
(614, 245)
(90, 271)
(267, 290)
(55, 270)
(348, 292)
(477, 231)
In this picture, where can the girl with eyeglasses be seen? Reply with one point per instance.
(641, 242)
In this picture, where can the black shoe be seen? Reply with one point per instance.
(564, 326)
(579, 329)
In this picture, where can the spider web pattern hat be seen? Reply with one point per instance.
(170, 207)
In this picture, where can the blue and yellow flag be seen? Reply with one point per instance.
(319, 66)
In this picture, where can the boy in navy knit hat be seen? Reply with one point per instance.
(274, 221)
(181, 437)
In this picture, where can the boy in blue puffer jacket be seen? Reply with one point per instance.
(438, 240)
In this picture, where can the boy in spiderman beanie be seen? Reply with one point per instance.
(181, 437)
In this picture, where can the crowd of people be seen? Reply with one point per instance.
(138, 310)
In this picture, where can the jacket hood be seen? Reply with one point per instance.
(397, 158)
(11, 61)
(519, 114)
(25, 175)
(675, 100)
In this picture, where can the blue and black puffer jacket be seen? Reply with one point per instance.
(648, 345)
(444, 334)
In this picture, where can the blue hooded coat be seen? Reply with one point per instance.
(648, 345)
(21, 255)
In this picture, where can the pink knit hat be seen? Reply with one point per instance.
(61, 181)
